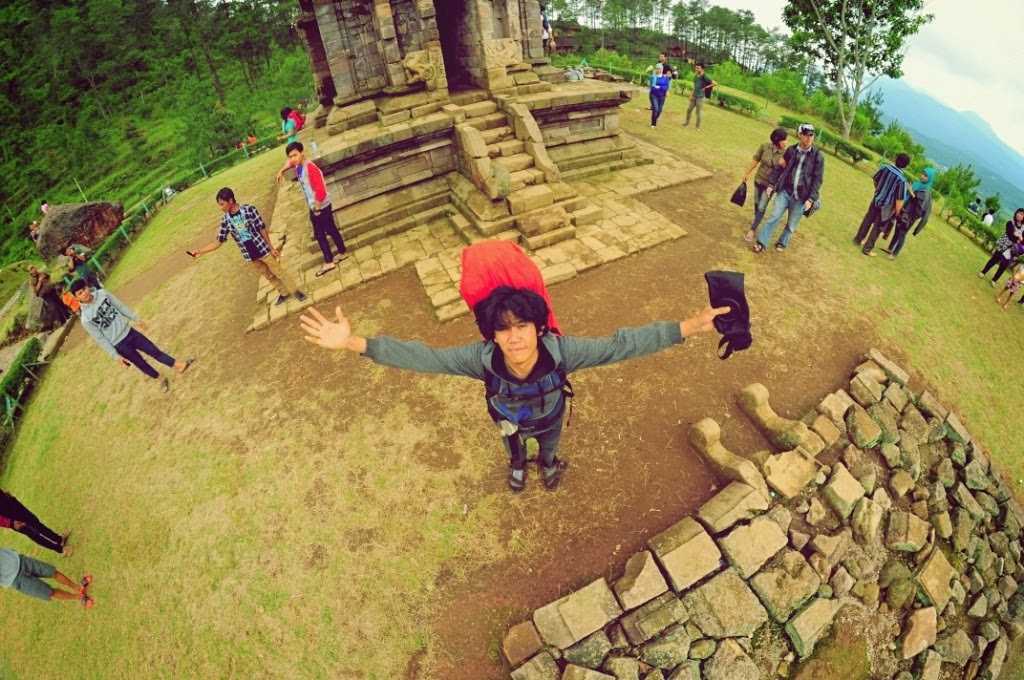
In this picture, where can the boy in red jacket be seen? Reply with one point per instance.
(311, 180)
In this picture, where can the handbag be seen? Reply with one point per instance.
(739, 197)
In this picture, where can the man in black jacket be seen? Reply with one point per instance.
(797, 180)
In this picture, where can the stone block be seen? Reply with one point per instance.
(574, 672)
(785, 584)
(646, 622)
(919, 632)
(540, 667)
(894, 372)
(807, 626)
(565, 622)
(906, 532)
(834, 407)
(725, 607)
(934, 579)
(832, 547)
(749, 547)
(706, 437)
(734, 503)
(730, 662)
(641, 582)
(896, 396)
(668, 650)
(931, 406)
(622, 668)
(864, 390)
(968, 503)
(521, 642)
(686, 552)
(529, 198)
(866, 521)
(843, 491)
(543, 221)
(789, 472)
(589, 652)
(826, 429)
(955, 429)
(864, 431)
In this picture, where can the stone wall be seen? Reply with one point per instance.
(877, 509)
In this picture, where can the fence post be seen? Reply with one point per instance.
(124, 233)
(205, 176)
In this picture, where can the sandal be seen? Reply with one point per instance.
(757, 248)
(324, 270)
(340, 257)
(779, 248)
(165, 385)
(87, 601)
(188, 362)
(749, 237)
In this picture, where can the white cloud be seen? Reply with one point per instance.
(968, 57)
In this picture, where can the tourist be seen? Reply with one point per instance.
(659, 83)
(80, 264)
(702, 85)
(1013, 285)
(797, 179)
(545, 29)
(25, 574)
(767, 157)
(1006, 247)
(665, 66)
(33, 232)
(69, 300)
(43, 288)
(245, 225)
(107, 320)
(916, 211)
(45, 207)
(250, 139)
(311, 181)
(886, 204)
(522, 365)
(989, 218)
(975, 207)
(289, 125)
(14, 515)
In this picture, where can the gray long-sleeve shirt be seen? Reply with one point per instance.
(475, 359)
(106, 320)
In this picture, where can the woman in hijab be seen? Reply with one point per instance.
(917, 211)
(1009, 245)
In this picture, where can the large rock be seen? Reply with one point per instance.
(540, 667)
(622, 667)
(590, 651)
(955, 647)
(934, 578)
(748, 547)
(810, 623)
(892, 371)
(843, 491)
(654, 617)
(867, 519)
(906, 532)
(955, 429)
(686, 552)
(668, 650)
(730, 662)
(834, 407)
(725, 607)
(966, 500)
(785, 584)
(931, 668)
(930, 405)
(521, 642)
(864, 431)
(789, 472)
(976, 475)
(565, 622)
(865, 390)
(994, 659)
(87, 224)
(734, 503)
(832, 547)
(919, 632)
(641, 582)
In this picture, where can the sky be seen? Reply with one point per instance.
(968, 57)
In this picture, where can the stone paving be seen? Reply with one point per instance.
(620, 225)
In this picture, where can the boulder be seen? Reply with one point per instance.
(867, 519)
(622, 667)
(919, 632)
(931, 406)
(864, 431)
(955, 430)
(668, 650)
(994, 659)
(589, 652)
(931, 667)
(892, 370)
(87, 224)
(725, 607)
(686, 552)
(966, 500)
(955, 647)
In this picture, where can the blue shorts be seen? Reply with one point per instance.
(28, 580)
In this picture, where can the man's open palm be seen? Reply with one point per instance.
(326, 333)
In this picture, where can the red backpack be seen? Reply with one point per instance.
(298, 119)
(489, 264)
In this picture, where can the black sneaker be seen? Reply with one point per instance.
(516, 485)
(280, 300)
(300, 296)
(553, 474)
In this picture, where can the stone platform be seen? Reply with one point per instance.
(614, 224)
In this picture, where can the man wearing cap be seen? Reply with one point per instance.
(886, 204)
(797, 180)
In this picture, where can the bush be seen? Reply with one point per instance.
(827, 140)
(731, 101)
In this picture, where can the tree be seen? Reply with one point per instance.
(856, 40)
(958, 182)
(994, 203)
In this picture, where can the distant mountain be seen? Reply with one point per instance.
(952, 137)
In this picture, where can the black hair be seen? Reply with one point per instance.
(777, 135)
(542, 8)
(902, 160)
(226, 194)
(294, 146)
(77, 285)
(523, 304)
(284, 112)
(699, 63)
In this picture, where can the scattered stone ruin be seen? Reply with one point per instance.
(877, 511)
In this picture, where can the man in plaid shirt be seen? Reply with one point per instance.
(244, 224)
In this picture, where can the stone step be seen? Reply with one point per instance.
(591, 170)
(515, 162)
(479, 109)
(587, 215)
(489, 121)
(529, 198)
(367, 236)
(525, 178)
(550, 238)
(498, 134)
(470, 97)
(592, 159)
(509, 148)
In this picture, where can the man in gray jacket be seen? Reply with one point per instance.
(107, 320)
(522, 365)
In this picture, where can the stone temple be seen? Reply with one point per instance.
(443, 119)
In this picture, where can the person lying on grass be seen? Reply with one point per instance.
(26, 574)
(522, 365)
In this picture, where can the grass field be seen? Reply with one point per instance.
(283, 513)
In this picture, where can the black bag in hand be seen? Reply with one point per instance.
(725, 289)
(739, 197)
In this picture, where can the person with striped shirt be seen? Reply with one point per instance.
(891, 192)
